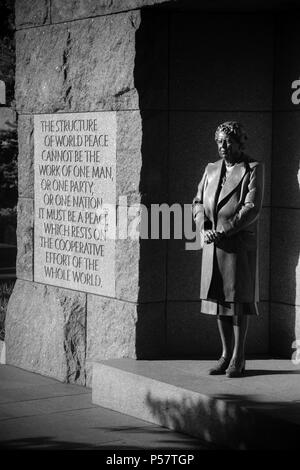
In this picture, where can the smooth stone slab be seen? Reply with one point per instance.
(233, 413)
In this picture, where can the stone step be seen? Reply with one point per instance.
(259, 411)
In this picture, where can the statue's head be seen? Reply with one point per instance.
(230, 137)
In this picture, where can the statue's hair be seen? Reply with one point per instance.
(235, 129)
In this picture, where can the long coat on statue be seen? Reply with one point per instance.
(230, 266)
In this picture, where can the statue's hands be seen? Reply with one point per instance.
(212, 236)
(209, 236)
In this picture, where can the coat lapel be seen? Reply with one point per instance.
(214, 175)
(232, 181)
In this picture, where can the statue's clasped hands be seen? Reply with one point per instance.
(212, 236)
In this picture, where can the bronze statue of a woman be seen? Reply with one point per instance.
(226, 211)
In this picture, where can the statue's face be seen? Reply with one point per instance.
(228, 147)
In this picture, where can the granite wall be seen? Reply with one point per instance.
(79, 57)
(150, 65)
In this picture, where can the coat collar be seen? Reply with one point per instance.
(232, 181)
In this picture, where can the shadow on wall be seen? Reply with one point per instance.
(228, 421)
(175, 129)
(151, 81)
(157, 180)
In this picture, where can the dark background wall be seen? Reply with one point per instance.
(220, 68)
(236, 66)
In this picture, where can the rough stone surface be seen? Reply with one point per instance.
(63, 10)
(285, 264)
(25, 156)
(141, 270)
(192, 333)
(84, 66)
(284, 330)
(25, 239)
(45, 331)
(32, 13)
(117, 329)
(129, 125)
(129, 156)
(142, 151)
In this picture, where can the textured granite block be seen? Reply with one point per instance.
(32, 13)
(45, 331)
(285, 160)
(64, 10)
(84, 66)
(142, 156)
(141, 270)
(24, 264)
(192, 146)
(109, 62)
(117, 329)
(285, 266)
(205, 72)
(284, 330)
(130, 127)
(25, 156)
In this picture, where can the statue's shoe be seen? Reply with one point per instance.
(220, 367)
(236, 368)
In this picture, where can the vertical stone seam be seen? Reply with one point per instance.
(33, 206)
(50, 11)
(66, 84)
(275, 31)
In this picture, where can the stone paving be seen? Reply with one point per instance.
(38, 412)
